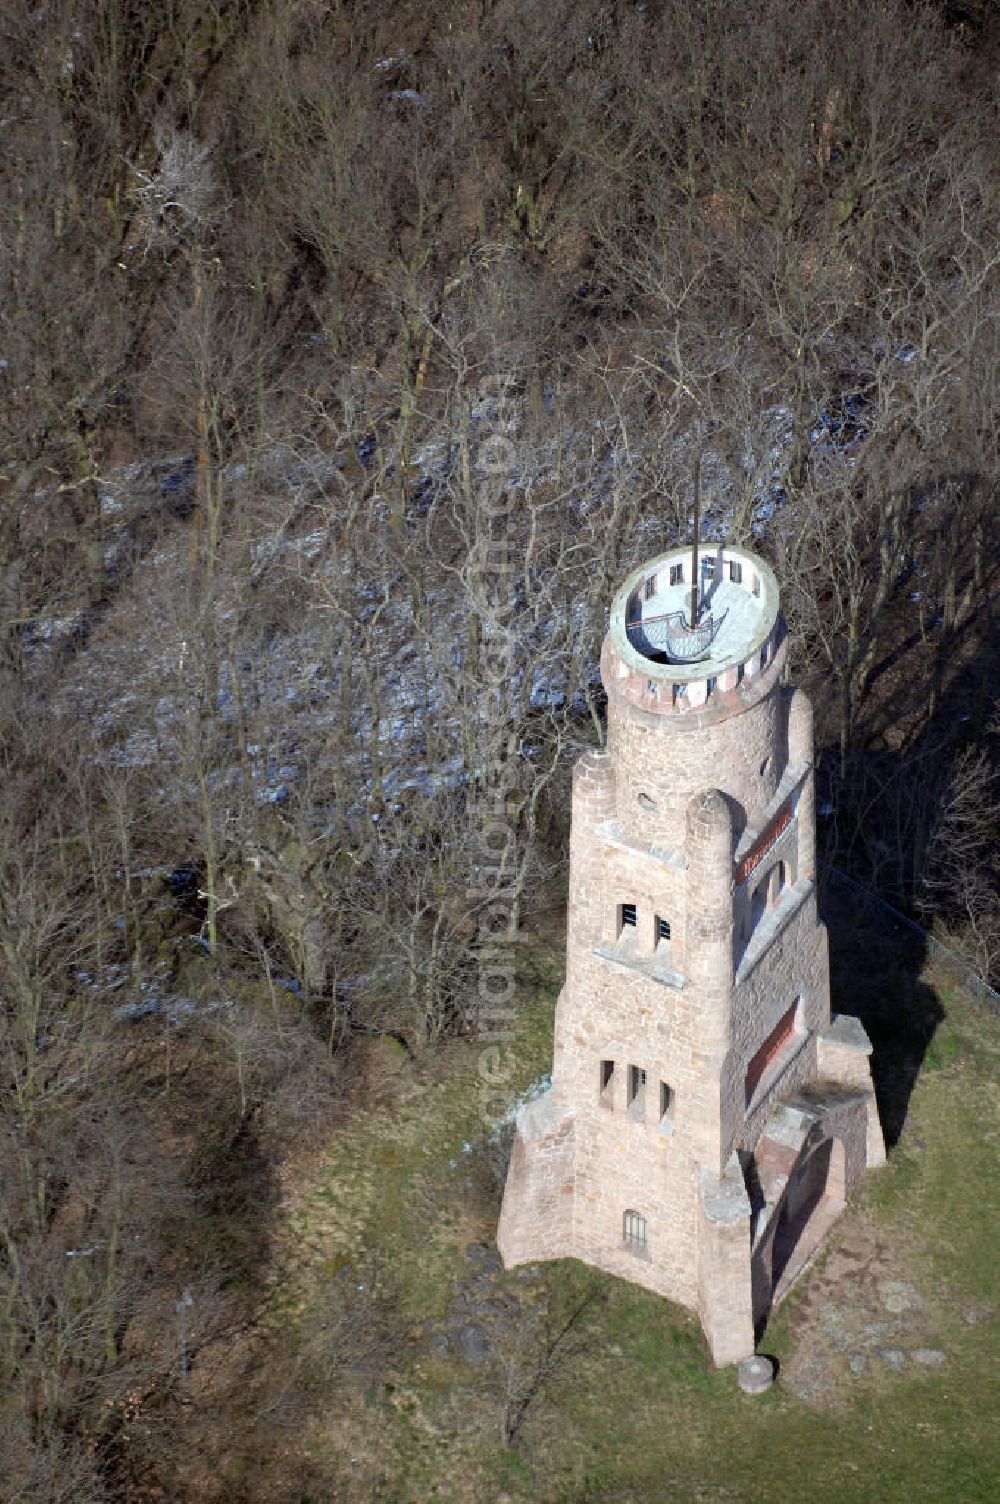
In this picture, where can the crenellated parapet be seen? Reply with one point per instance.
(736, 649)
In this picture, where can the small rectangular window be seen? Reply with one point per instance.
(666, 1103)
(711, 684)
(708, 568)
(736, 572)
(607, 1083)
(650, 587)
(662, 929)
(677, 574)
(628, 915)
(637, 1091)
(756, 585)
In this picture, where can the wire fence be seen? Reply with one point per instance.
(980, 993)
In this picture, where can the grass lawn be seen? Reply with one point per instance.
(889, 1382)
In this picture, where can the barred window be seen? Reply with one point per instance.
(634, 1232)
(677, 574)
(628, 916)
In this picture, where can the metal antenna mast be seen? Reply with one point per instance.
(694, 543)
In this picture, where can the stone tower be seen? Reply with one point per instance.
(707, 1116)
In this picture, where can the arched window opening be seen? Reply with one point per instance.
(634, 1232)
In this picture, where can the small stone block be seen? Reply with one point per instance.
(755, 1375)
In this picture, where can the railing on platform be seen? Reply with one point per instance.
(670, 634)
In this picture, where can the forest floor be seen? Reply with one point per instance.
(387, 1291)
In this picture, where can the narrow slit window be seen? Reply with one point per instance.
(711, 685)
(736, 572)
(677, 574)
(662, 929)
(666, 1103)
(634, 1232)
(650, 587)
(637, 1091)
(628, 919)
(607, 1083)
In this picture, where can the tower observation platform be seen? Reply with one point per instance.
(737, 632)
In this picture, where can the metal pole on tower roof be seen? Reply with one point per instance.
(694, 543)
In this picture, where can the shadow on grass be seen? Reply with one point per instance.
(875, 974)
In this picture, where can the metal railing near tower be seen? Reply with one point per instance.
(670, 635)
